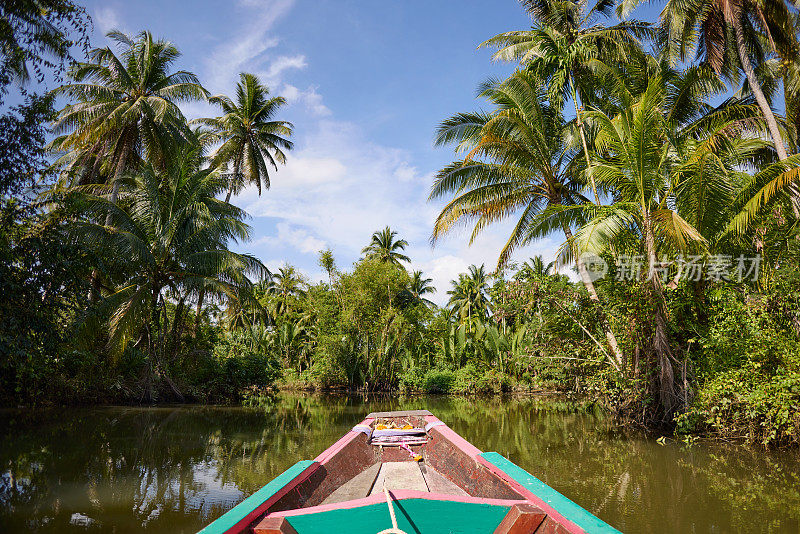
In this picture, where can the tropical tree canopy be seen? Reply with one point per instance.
(386, 248)
(250, 136)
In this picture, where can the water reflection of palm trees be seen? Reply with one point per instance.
(175, 469)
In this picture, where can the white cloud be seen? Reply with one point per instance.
(283, 63)
(107, 19)
(340, 187)
(407, 173)
(247, 53)
(293, 237)
(310, 98)
(313, 102)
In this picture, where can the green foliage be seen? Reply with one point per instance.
(748, 371)
(239, 365)
(36, 38)
(438, 381)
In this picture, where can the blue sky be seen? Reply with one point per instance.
(367, 82)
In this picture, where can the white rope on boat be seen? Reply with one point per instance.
(394, 529)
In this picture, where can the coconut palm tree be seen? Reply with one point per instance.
(470, 296)
(420, 286)
(536, 268)
(286, 284)
(173, 234)
(249, 133)
(728, 36)
(519, 161)
(385, 248)
(566, 40)
(124, 110)
(638, 157)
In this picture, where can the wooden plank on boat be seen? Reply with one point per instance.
(521, 519)
(438, 483)
(404, 413)
(274, 525)
(357, 487)
(399, 475)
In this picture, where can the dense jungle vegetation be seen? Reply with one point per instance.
(664, 153)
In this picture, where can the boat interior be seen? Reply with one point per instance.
(408, 457)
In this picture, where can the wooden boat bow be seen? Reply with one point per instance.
(437, 481)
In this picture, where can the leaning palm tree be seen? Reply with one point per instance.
(249, 133)
(124, 109)
(566, 40)
(638, 156)
(728, 35)
(174, 235)
(385, 248)
(519, 161)
(419, 286)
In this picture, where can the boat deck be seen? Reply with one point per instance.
(407, 475)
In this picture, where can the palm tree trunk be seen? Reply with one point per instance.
(583, 141)
(616, 361)
(755, 87)
(199, 310)
(94, 292)
(766, 110)
(661, 345)
(236, 168)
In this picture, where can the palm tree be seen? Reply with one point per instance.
(536, 268)
(639, 156)
(385, 248)
(125, 109)
(721, 32)
(173, 234)
(470, 296)
(519, 160)
(286, 284)
(249, 134)
(562, 47)
(420, 286)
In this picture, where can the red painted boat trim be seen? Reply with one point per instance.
(398, 495)
(326, 455)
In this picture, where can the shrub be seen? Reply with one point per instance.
(239, 365)
(438, 381)
(413, 379)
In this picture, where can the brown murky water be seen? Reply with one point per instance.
(174, 469)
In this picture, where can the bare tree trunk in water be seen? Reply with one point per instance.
(589, 284)
(661, 345)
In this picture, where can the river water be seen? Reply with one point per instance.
(174, 469)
